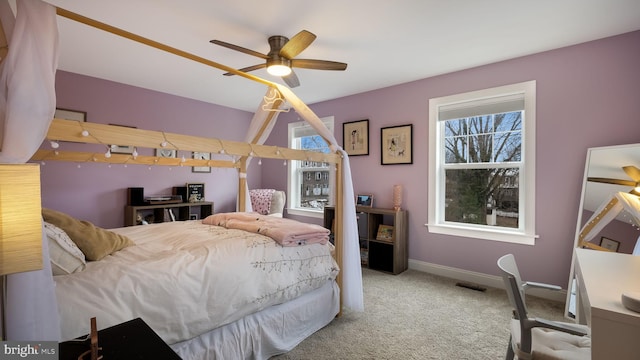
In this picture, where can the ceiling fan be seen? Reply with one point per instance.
(632, 171)
(280, 59)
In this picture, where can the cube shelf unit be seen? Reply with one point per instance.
(181, 211)
(385, 255)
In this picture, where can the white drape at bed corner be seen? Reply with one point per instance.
(27, 105)
(352, 293)
(264, 120)
(623, 202)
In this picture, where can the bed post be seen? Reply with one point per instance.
(338, 224)
(242, 184)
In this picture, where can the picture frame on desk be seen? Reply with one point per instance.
(385, 233)
(195, 192)
(364, 200)
(609, 244)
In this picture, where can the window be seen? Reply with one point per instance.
(482, 163)
(309, 181)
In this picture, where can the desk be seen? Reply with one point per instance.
(602, 277)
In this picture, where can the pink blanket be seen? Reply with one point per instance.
(286, 232)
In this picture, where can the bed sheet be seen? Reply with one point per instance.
(185, 278)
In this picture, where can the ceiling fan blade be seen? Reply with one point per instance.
(239, 48)
(291, 80)
(633, 172)
(612, 181)
(318, 64)
(297, 44)
(248, 68)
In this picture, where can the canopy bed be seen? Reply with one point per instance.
(28, 73)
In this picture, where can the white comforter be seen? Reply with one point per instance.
(185, 278)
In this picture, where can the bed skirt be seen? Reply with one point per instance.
(270, 332)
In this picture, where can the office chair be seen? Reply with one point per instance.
(534, 338)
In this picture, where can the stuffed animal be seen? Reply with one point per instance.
(143, 221)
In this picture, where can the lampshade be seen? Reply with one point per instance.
(20, 218)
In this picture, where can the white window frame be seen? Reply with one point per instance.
(525, 234)
(293, 184)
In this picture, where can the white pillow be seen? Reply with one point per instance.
(65, 256)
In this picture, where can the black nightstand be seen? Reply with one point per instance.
(133, 339)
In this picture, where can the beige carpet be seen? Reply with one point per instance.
(415, 315)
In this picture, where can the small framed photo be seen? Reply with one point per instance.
(197, 155)
(68, 114)
(396, 144)
(609, 244)
(193, 216)
(167, 153)
(364, 200)
(385, 233)
(355, 137)
(195, 192)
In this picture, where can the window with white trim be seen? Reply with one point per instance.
(482, 164)
(309, 183)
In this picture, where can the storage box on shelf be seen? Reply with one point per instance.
(387, 252)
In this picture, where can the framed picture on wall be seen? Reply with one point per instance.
(68, 114)
(609, 244)
(167, 153)
(122, 149)
(396, 144)
(201, 156)
(355, 137)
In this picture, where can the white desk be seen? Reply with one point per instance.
(602, 277)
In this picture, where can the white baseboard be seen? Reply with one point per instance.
(480, 279)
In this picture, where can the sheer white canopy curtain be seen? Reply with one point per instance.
(27, 105)
(265, 118)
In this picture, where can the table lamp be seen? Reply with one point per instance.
(20, 224)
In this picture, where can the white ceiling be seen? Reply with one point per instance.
(384, 42)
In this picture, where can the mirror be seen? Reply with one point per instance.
(609, 212)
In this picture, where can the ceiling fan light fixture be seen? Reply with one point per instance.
(278, 70)
(279, 66)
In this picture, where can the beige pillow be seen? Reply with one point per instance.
(65, 256)
(94, 242)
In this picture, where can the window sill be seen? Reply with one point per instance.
(485, 234)
(319, 214)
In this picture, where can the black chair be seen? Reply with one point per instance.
(534, 338)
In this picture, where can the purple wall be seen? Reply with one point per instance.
(97, 192)
(587, 95)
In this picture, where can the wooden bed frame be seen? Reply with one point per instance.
(92, 133)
